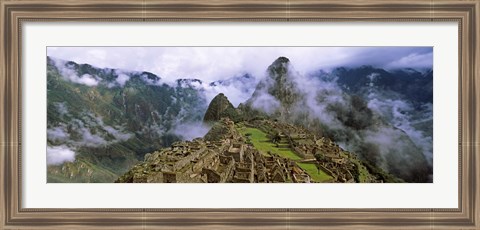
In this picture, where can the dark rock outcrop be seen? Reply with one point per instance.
(279, 83)
(220, 107)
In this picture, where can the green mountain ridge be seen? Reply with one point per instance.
(111, 125)
(343, 118)
(220, 107)
(126, 126)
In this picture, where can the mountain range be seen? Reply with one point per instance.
(102, 122)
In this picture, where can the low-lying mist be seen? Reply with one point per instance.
(377, 125)
(191, 130)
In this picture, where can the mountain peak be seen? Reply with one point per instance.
(280, 82)
(279, 67)
(282, 60)
(220, 107)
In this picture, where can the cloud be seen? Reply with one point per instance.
(85, 79)
(59, 154)
(151, 81)
(266, 103)
(57, 134)
(100, 137)
(61, 108)
(119, 135)
(324, 100)
(326, 108)
(216, 63)
(69, 74)
(413, 60)
(210, 64)
(122, 77)
(91, 140)
(97, 54)
(191, 130)
(234, 94)
(238, 88)
(88, 130)
(400, 114)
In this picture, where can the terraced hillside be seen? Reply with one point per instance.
(261, 151)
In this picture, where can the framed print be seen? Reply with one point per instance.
(234, 114)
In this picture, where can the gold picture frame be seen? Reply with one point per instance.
(13, 13)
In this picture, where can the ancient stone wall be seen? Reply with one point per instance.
(212, 176)
(169, 177)
(184, 161)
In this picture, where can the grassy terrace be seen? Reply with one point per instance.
(261, 142)
(315, 174)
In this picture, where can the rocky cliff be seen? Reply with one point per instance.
(218, 108)
(364, 118)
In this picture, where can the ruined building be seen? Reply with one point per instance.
(216, 161)
(223, 155)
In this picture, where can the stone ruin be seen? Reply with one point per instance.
(223, 161)
(307, 146)
(231, 160)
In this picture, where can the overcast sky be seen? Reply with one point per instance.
(214, 63)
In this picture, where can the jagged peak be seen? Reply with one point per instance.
(220, 98)
(279, 67)
(281, 59)
(218, 108)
